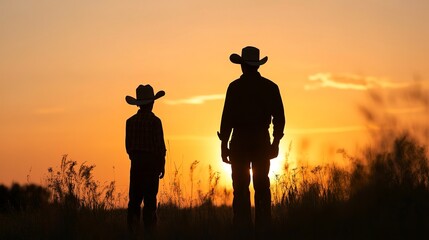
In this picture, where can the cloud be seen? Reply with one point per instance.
(350, 81)
(196, 99)
(341, 129)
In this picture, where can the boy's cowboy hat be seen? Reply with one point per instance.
(144, 95)
(249, 55)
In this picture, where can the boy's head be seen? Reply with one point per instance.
(146, 107)
(145, 97)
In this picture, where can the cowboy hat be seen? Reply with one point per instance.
(144, 95)
(249, 55)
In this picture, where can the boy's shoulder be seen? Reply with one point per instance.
(147, 116)
(156, 118)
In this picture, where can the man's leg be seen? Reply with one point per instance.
(135, 194)
(261, 184)
(241, 202)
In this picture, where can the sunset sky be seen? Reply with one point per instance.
(66, 67)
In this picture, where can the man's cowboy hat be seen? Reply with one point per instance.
(144, 95)
(249, 55)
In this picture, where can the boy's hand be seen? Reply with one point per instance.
(162, 173)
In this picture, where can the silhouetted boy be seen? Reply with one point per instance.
(252, 102)
(146, 149)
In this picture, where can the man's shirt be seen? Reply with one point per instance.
(251, 103)
(144, 134)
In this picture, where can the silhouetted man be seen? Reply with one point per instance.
(146, 149)
(252, 102)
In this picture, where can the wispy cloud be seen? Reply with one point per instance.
(341, 129)
(195, 99)
(350, 81)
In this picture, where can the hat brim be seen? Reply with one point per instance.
(237, 59)
(139, 102)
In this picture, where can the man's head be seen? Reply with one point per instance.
(246, 68)
(249, 56)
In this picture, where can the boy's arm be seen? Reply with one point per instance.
(160, 145)
(159, 139)
(127, 137)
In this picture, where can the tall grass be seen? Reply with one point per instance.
(383, 194)
(74, 186)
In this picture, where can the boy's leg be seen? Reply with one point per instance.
(151, 182)
(135, 193)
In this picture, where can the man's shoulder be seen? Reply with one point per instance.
(270, 85)
(132, 118)
(263, 80)
(235, 82)
(234, 85)
(269, 82)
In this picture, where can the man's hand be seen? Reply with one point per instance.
(274, 151)
(162, 173)
(225, 152)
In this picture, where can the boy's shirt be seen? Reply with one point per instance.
(144, 134)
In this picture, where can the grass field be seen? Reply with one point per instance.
(382, 195)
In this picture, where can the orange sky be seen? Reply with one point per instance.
(66, 67)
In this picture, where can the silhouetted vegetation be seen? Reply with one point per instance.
(74, 186)
(19, 198)
(384, 194)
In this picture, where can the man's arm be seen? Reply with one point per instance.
(226, 121)
(279, 119)
(226, 126)
(279, 122)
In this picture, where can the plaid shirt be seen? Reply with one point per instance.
(144, 134)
